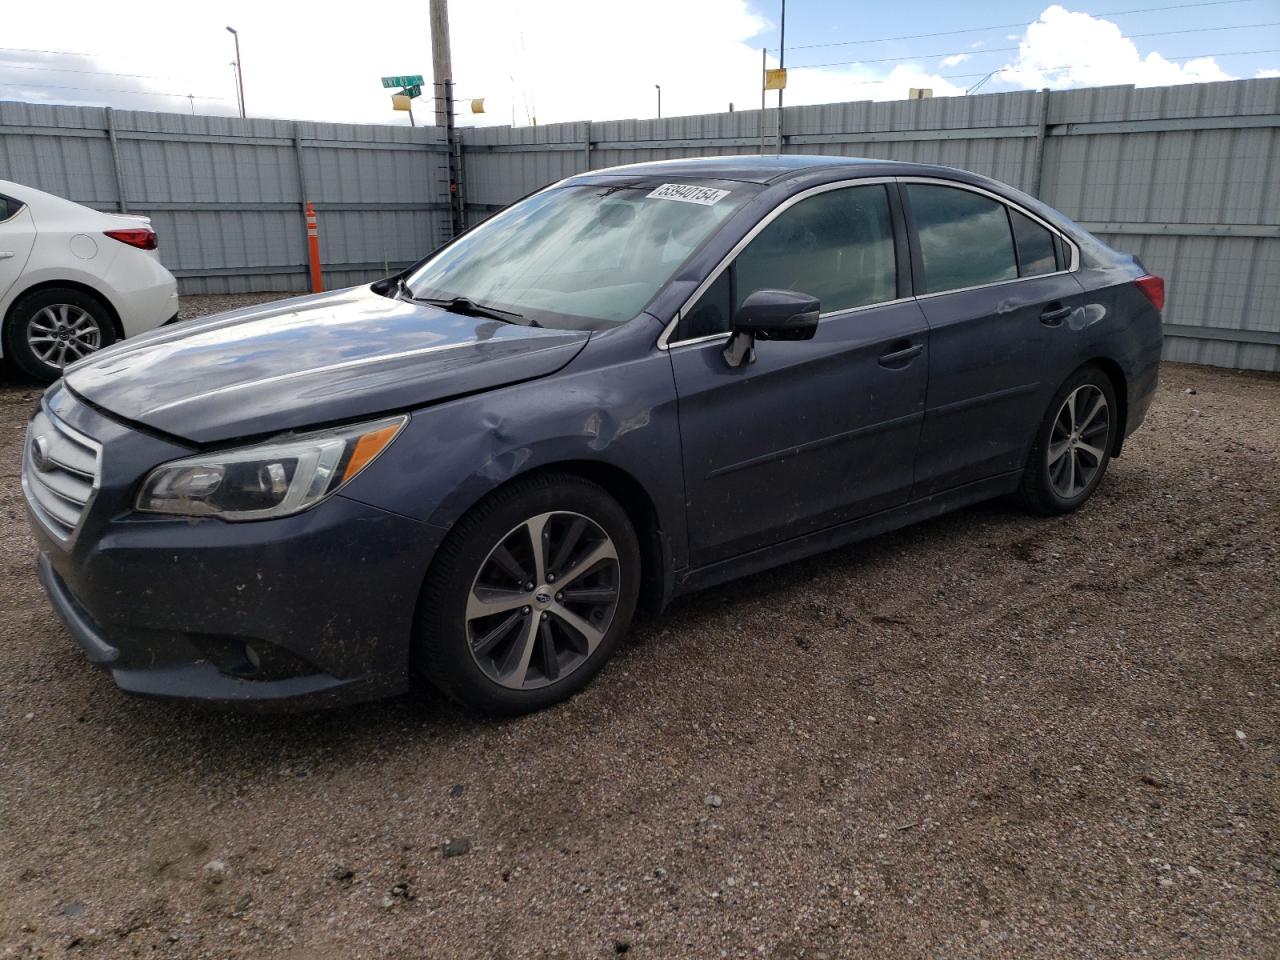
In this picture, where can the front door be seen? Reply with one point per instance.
(813, 432)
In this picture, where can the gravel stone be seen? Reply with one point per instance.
(954, 634)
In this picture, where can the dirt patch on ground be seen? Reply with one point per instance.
(987, 735)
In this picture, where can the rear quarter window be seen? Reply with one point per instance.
(9, 207)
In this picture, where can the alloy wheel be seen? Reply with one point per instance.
(543, 600)
(63, 333)
(1078, 441)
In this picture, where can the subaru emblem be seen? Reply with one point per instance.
(40, 454)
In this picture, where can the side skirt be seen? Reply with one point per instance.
(846, 533)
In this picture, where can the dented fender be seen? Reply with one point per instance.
(613, 406)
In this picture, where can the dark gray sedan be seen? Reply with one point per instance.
(630, 385)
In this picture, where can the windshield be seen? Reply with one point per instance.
(580, 256)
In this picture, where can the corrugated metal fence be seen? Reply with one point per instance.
(227, 195)
(1185, 177)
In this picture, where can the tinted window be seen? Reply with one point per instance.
(836, 246)
(1035, 246)
(964, 237)
(9, 207)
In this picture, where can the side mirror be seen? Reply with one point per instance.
(770, 315)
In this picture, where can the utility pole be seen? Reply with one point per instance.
(658, 87)
(239, 72)
(441, 59)
(782, 65)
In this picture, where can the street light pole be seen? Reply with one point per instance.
(782, 65)
(239, 72)
(658, 87)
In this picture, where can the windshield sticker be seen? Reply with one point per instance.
(686, 193)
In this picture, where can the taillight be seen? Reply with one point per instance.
(1153, 288)
(144, 238)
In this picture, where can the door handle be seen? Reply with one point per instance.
(902, 356)
(1054, 315)
(6, 254)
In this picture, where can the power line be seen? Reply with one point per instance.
(953, 53)
(145, 93)
(1007, 26)
(104, 73)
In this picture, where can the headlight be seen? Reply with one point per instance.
(272, 479)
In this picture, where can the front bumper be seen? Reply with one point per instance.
(312, 610)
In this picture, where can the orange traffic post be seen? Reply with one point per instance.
(313, 249)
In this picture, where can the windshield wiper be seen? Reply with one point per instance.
(470, 308)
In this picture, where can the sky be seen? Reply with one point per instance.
(565, 60)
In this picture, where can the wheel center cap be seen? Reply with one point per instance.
(542, 597)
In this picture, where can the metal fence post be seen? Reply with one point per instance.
(303, 193)
(121, 202)
(586, 145)
(1042, 130)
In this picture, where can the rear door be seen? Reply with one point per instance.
(17, 235)
(994, 286)
(812, 432)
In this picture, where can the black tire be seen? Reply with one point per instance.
(31, 310)
(1045, 487)
(443, 647)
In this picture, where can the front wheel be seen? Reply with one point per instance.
(529, 596)
(1074, 444)
(52, 328)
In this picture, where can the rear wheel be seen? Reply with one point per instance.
(50, 329)
(1073, 448)
(529, 596)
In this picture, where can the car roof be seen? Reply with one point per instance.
(770, 168)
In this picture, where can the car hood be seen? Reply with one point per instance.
(312, 360)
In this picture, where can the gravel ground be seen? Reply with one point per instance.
(988, 735)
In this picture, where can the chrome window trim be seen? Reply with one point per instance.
(664, 339)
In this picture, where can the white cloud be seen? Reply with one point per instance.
(1264, 74)
(956, 59)
(1066, 49)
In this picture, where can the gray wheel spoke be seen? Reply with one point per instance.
(547, 647)
(584, 629)
(1099, 405)
(589, 595)
(515, 666)
(503, 558)
(486, 601)
(1071, 479)
(537, 529)
(1094, 452)
(568, 543)
(581, 567)
(485, 644)
(1057, 450)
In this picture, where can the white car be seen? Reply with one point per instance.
(73, 280)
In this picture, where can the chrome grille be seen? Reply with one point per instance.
(59, 474)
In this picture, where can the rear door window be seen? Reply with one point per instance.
(1036, 253)
(964, 237)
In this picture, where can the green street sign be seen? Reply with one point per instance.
(413, 80)
(414, 91)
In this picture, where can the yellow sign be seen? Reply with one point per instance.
(477, 105)
(400, 101)
(775, 79)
